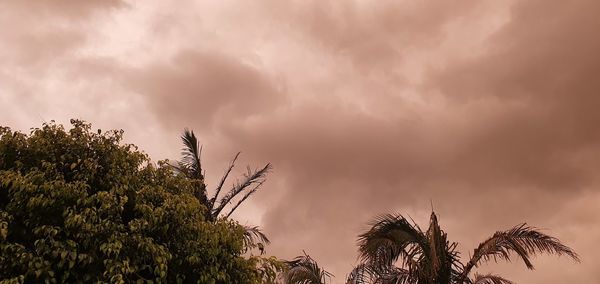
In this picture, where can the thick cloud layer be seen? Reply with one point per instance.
(484, 110)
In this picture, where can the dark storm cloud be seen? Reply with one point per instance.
(200, 87)
(519, 129)
(540, 70)
(374, 36)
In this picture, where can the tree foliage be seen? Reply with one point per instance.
(80, 206)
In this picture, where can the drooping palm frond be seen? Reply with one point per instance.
(360, 274)
(252, 177)
(522, 240)
(390, 238)
(254, 237)
(490, 279)
(305, 270)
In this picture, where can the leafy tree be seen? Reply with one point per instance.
(427, 257)
(80, 206)
(190, 166)
(305, 270)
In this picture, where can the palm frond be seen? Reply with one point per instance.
(305, 270)
(191, 153)
(190, 165)
(223, 178)
(395, 275)
(365, 273)
(248, 193)
(361, 274)
(522, 240)
(254, 237)
(490, 279)
(250, 178)
(391, 237)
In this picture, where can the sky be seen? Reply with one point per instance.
(485, 111)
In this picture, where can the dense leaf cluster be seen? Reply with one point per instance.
(80, 206)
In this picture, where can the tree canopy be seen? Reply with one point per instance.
(81, 206)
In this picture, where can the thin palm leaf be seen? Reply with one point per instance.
(256, 177)
(223, 179)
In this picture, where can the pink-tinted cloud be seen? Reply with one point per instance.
(485, 109)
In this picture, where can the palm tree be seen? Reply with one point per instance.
(427, 257)
(190, 165)
(305, 270)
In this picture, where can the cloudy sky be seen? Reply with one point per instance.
(489, 110)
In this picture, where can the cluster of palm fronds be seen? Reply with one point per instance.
(428, 256)
(305, 270)
(397, 251)
(190, 165)
(393, 251)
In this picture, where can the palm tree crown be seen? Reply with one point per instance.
(305, 270)
(427, 257)
(190, 165)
